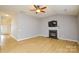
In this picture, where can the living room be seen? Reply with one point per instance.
(21, 23)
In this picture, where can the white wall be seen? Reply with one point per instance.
(78, 27)
(67, 27)
(24, 26)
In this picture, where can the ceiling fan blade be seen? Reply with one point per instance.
(36, 12)
(43, 11)
(38, 6)
(44, 8)
(33, 10)
(35, 6)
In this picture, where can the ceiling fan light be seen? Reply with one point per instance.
(38, 10)
(6, 15)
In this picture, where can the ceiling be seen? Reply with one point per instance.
(51, 10)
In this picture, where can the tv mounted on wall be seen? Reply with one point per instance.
(52, 23)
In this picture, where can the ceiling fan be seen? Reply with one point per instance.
(38, 9)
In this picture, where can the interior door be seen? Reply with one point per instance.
(5, 26)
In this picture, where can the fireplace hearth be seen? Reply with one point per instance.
(53, 34)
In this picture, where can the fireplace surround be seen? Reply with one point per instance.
(53, 34)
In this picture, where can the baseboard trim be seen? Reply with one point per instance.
(13, 36)
(43, 36)
(65, 39)
(68, 39)
(23, 38)
(27, 38)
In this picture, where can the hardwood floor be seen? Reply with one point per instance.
(9, 43)
(38, 45)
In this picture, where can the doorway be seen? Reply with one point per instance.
(5, 28)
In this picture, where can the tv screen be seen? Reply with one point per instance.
(52, 23)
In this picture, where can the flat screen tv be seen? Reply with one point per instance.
(52, 23)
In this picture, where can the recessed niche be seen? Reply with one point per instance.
(52, 23)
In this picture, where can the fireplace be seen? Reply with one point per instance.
(53, 34)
